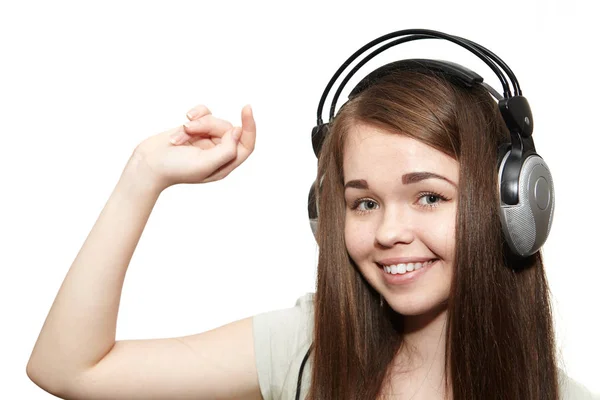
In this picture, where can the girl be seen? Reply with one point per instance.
(418, 296)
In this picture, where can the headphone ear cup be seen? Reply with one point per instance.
(313, 213)
(318, 135)
(313, 205)
(526, 225)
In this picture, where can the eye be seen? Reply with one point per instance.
(367, 202)
(430, 199)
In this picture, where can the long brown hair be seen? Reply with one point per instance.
(499, 336)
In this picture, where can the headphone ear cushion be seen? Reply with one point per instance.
(526, 225)
(502, 150)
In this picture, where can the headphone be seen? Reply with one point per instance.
(524, 180)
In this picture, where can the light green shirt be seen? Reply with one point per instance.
(282, 338)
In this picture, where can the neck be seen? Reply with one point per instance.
(421, 356)
(425, 336)
(418, 370)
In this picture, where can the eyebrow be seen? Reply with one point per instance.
(407, 179)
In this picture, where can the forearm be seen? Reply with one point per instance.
(81, 325)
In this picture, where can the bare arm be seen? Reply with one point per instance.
(76, 356)
(81, 325)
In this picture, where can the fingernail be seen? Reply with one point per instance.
(177, 138)
(193, 113)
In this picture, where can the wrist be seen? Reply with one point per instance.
(138, 176)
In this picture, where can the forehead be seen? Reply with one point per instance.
(372, 153)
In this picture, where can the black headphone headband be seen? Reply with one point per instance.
(455, 72)
(480, 51)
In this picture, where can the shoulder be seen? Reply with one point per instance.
(281, 339)
(570, 389)
(287, 319)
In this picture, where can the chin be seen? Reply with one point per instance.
(415, 306)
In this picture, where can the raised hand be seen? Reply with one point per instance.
(205, 149)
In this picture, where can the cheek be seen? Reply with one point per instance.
(442, 238)
(359, 240)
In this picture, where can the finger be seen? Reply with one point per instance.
(225, 170)
(221, 172)
(198, 111)
(248, 138)
(176, 135)
(221, 154)
(246, 148)
(232, 164)
(207, 125)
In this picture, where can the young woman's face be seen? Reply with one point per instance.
(400, 209)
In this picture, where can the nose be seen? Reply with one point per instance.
(394, 227)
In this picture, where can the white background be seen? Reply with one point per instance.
(81, 84)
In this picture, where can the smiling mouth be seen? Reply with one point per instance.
(401, 269)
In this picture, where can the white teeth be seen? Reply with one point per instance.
(403, 268)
